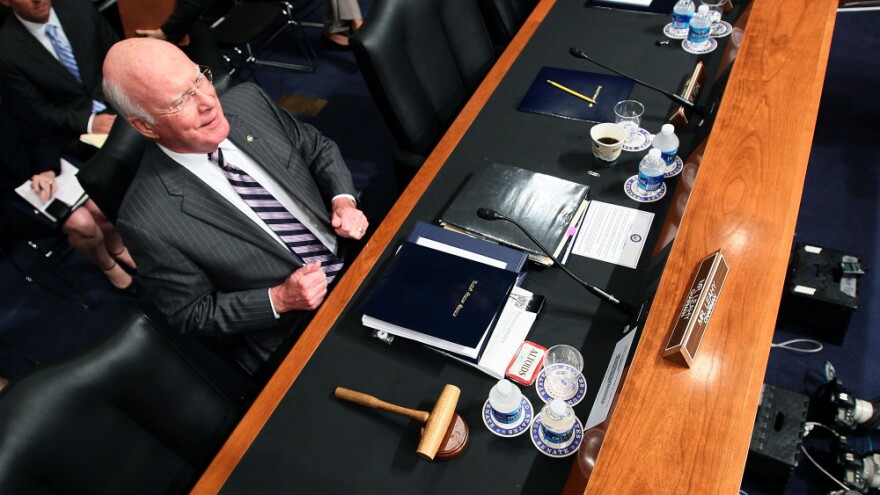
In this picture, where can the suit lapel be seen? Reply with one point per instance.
(79, 43)
(203, 203)
(31, 48)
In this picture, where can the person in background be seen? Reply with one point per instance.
(238, 213)
(341, 18)
(51, 54)
(29, 151)
(193, 37)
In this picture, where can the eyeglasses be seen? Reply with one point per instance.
(181, 102)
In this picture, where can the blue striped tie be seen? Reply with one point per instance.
(295, 235)
(65, 54)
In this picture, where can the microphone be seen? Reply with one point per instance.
(492, 215)
(576, 52)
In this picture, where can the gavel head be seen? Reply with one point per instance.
(440, 423)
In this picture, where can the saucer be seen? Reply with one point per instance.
(675, 33)
(638, 140)
(721, 29)
(510, 430)
(632, 190)
(557, 450)
(699, 48)
(675, 169)
(571, 401)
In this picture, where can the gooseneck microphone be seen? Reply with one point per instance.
(489, 214)
(576, 52)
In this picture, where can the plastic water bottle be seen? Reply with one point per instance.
(701, 23)
(682, 13)
(652, 169)
(667, 143)
(505, 399)
(557, 421)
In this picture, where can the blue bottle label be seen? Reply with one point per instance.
(650, 183)
(507, 418)
(681, 21)
(551, 436)
(669, 157)
(698, 34)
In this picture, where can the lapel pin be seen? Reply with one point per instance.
(250, 138)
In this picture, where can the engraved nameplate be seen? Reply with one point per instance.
(697, 309)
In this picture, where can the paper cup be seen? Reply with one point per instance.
(607, 141)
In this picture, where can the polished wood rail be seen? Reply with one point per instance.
(674, 430)
(680, 430)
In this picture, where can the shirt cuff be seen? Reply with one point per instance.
(89, 126)
(271, 305)
(349, 196)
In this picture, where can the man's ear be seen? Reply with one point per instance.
(144, 128)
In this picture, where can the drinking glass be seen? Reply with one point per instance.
(628, 114)
(562, 369)
(715, 7)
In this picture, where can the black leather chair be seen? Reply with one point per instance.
(504, 18)
(421, 60)
(127, 414)
(108, 173)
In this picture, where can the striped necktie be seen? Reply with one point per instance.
(295, 235)
(65, 55)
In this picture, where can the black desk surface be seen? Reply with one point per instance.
(314, 443)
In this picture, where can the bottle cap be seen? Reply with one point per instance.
(667, 129)
(504, 386)
(703, 9)
(655, 153)
(557, 407)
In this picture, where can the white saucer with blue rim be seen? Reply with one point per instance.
(509, 430)
(571, 401)
(675, 33)
(632, 189)
(552, 449)
(699, 48)
(676, 169)
(720, 29)
(638, 140)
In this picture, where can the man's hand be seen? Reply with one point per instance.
(347, 220)
(102, 123)
(303, 290)
(44, 185)
(152, 33)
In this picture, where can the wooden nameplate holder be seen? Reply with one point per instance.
(681, 115)
(697, 310)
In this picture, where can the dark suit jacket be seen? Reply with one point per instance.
(46, 85)
(208, 265)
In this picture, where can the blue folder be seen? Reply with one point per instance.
(546, 99)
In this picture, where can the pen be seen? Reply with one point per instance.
(571, 92)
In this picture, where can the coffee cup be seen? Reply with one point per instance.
(607, 141)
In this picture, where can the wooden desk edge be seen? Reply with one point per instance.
(230, 454)
(654, 443)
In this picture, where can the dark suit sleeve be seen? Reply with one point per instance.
(28, 147)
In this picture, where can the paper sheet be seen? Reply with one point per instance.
(612, 233)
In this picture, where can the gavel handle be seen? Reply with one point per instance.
(370, 401)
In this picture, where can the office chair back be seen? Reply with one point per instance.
(128, 414)
(422, 60)
(504, 18)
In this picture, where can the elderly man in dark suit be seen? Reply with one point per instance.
(37, 47)
(218, 265)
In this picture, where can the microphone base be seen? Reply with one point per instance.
(681, 115)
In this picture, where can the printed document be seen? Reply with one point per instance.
(613, 233)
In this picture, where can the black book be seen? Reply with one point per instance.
(439, 299)
(550, 208)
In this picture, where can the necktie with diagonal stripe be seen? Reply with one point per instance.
(295, 235)
(65, 55)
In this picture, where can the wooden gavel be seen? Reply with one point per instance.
(442, 424)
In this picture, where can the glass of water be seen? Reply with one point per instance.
(715, 8)
(562, 370)
(628, 114)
